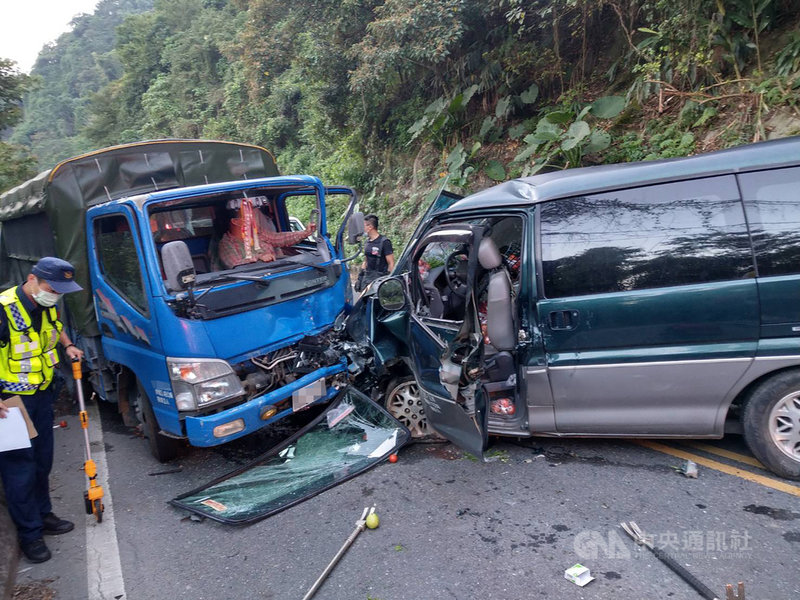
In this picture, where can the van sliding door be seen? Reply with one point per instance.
(650, 311)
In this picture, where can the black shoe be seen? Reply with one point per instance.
(35, 551)
(52, 525)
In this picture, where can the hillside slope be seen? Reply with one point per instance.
(390, 96)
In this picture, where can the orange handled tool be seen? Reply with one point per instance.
(93, 497)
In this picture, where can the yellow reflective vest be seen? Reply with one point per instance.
(28, 359)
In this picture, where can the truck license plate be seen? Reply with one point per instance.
(308, 394)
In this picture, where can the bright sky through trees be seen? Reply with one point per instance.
(27, 25)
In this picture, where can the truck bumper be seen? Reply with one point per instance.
(200, 430)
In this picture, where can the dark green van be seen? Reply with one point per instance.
(655, 299)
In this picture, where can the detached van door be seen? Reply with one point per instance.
(444, 334)
(650, 309)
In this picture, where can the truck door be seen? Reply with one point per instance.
(120, 288)
(444, 334)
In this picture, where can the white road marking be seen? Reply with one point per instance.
(103, 567)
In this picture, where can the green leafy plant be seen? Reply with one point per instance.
(459, 164)
(442, 117)
(787, 60)
(562, 137)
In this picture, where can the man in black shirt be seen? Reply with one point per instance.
(378, 254)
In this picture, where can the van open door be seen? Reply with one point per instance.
(444, 334)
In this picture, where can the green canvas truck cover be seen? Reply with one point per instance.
(47, 214)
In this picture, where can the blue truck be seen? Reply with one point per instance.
(193, 348)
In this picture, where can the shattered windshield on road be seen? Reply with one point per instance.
(353, 435)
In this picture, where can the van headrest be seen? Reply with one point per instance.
(488, 254)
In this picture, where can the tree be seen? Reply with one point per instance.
(16, 165)
(13, 85)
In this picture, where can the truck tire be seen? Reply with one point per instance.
(163, 448)
(771, 422)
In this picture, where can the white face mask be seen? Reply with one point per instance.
(46, 299)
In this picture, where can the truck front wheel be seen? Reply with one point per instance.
(771, 423)
(163, 448)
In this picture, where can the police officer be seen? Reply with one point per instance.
(378, 254)
(29, 333)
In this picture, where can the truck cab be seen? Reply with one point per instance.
(200, 333)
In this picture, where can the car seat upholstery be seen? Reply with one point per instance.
(499, 301)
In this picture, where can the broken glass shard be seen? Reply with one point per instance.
(353, 435)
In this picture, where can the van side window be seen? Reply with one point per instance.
(772, 201)
(119, 263)
(656, 236)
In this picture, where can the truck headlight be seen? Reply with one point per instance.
(200, 382)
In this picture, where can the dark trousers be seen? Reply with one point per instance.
(25, 473)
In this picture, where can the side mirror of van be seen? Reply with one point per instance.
(178, 265)
(391, 294)
(355, 227)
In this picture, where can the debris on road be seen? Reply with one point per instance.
(578, 574)
(731, 595)
(167, 472)
(360, 524)
(36, 590)
(372, 520)
(689, 469)
(633, 530)
(353, 435)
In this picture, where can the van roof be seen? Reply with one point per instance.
(587, 180)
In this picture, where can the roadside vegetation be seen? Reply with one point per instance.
(393, 96)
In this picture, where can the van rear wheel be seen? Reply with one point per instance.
(771, 422)
(163, 448)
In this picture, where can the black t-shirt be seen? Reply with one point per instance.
(376, 252)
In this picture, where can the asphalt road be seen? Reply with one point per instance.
(450, 527)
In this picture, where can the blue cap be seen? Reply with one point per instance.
(58, 273)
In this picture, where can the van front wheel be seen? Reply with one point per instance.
(163, 448)
(771, 423)
(404, 403)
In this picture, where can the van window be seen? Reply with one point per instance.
(119, 263)
(772, 201)
(655, 236)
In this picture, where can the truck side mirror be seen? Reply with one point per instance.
(178, 265)
(355, 227)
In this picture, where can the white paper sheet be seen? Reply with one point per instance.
(13, 431)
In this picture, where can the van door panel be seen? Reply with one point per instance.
(443, 350)
(659, 307)
(772, 201)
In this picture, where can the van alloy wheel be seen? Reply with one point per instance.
(404, 403)
(771, 423)
(784, 425)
